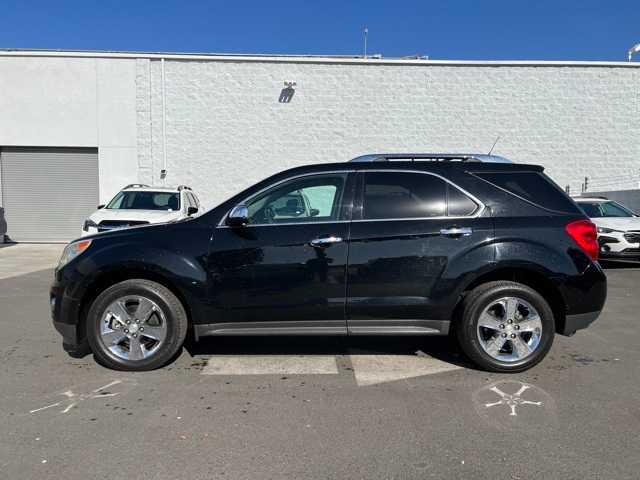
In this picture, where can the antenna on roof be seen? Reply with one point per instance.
(494, 144)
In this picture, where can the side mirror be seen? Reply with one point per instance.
(100, 206)
(314, 212)
(238, 217)
(192, 210)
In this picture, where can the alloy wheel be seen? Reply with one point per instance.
(133, 327)
(509, 329)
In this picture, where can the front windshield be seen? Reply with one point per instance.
(604, 209)
(144, 200)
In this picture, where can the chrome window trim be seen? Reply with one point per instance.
(221, 223)
(478, 211)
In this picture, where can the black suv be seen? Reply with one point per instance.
(413, 244)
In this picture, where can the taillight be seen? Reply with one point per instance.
(585, 234)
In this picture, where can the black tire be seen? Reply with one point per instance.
(473, 306)
(174, 313)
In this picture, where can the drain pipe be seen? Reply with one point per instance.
(163, 174)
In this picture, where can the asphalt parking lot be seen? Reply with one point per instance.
(315, 407)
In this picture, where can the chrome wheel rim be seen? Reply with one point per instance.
(509, 329)
(133, 328)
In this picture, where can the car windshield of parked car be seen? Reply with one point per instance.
(605, 209)
(144, 200)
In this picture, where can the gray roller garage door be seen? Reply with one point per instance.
(47, 193)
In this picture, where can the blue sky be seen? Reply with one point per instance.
(454, 29)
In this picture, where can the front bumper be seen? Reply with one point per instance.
(616, 244)
(65, 314)
(89, 231)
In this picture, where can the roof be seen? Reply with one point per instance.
(331, 59)
(138, 187)
(434, 157)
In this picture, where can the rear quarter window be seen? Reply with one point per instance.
(534, 187)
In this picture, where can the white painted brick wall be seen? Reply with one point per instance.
(225, 128)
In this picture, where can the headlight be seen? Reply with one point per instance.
(72, 250)
(89, 224)
(608, 230)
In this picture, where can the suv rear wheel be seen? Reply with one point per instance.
(506, 327)
(136, 325)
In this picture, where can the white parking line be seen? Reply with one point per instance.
(367, 369)
(271, 365)
(373, 369)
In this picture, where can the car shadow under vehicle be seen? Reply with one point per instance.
(617, 264)
(440, 348)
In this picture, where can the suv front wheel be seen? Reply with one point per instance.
(505, 327)
(136, 325)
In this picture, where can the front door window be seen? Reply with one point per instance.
(315, 198)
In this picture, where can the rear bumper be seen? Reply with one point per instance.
(576, 322)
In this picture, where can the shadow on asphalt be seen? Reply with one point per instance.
(441, 348)
(619, 264)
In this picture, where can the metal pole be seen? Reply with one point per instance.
(366, 34)
(164, 121)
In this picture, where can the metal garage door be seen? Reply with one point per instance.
(47, 193)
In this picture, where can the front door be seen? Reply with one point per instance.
(409, 228)
(285, 272)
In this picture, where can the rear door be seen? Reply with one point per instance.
(408, 226)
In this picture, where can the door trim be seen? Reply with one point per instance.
(324, 328)
(398, 327)
(310, 327)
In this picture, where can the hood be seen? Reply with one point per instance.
(151, 216)
(618, 223)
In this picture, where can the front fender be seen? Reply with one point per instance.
(180, 269)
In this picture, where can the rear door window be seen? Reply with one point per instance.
(398, 195)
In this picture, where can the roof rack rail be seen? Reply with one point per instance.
(184, 187)
(586, 195)
(431, 157)
(136, 185)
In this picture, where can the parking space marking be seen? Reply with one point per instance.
(367, 369)
(271, 365)
(375, 369)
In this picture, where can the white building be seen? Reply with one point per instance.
(75, 127)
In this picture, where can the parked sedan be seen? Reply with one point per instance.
(618, 227)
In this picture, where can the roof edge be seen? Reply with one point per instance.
(329, 59)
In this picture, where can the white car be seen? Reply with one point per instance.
(139, 204)
(618, 227)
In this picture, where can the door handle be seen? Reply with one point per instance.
(324, 242)
(456, 232)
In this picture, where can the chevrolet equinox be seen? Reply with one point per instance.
(475, 246)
